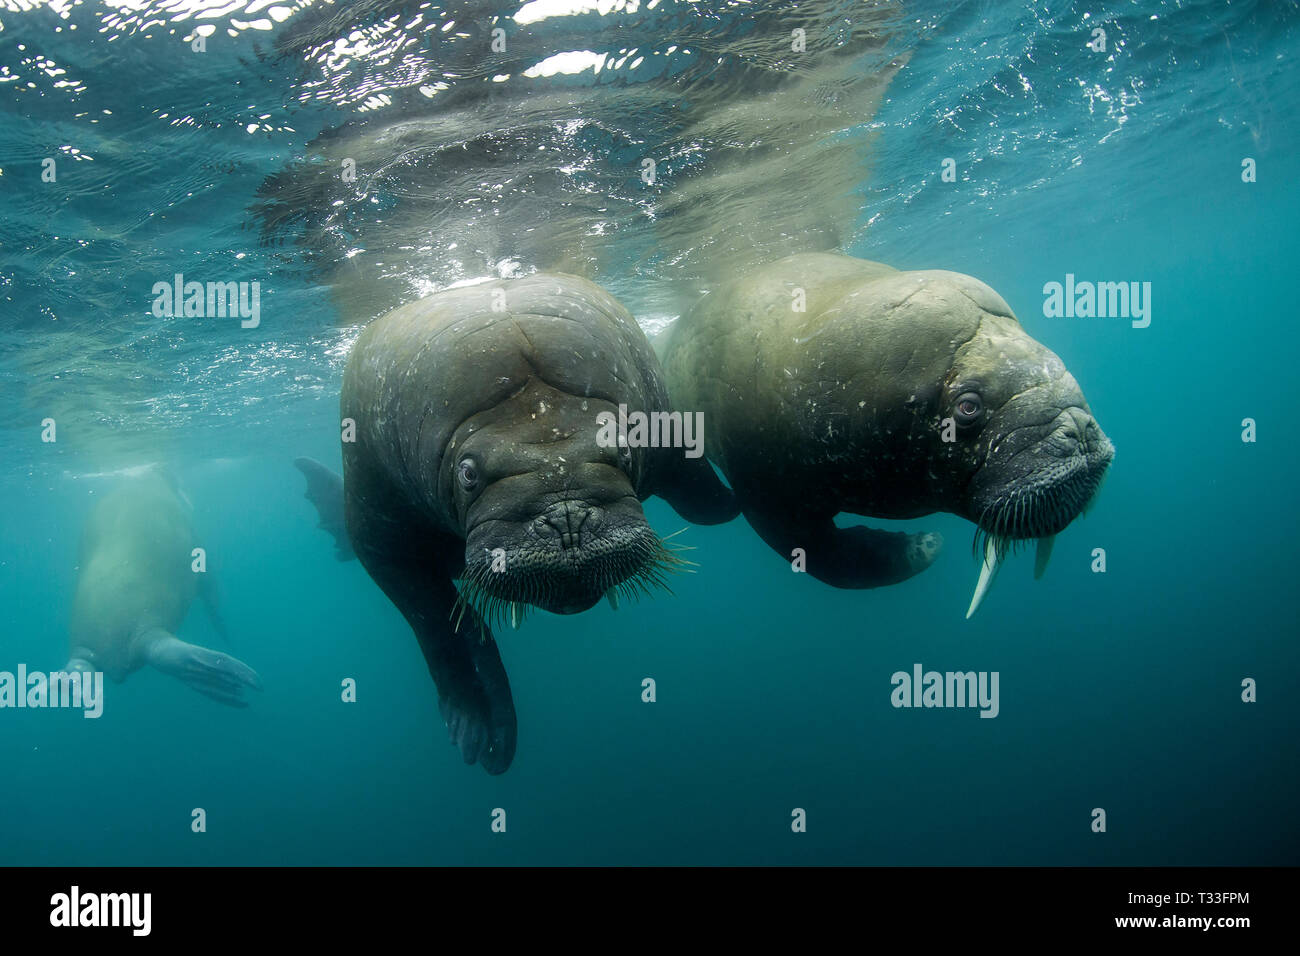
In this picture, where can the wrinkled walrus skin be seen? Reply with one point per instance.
(477, 458)
(831, 384)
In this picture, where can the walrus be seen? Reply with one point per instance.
(134, 586)
(832, 384)
(477, 458)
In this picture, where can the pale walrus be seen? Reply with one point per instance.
(477, 456)
(831, 384)
(136, 582)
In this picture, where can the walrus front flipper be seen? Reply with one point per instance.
(473, 691)
(473, 696)
(855, 557)
(325, 491)
(693, 489)
(217, 675)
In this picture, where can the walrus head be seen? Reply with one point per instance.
(1029, 454)
(550, 517)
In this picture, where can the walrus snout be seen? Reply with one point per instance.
(1038, 479)
(563, 560)
(1039, 455)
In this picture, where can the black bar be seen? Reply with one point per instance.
(331, 906)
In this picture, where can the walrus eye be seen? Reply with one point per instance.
(968, 408)
(467, 474)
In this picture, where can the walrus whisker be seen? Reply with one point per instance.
(639, 570)
(470, 588)
(459, 606)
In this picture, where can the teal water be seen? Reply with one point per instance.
(1119, 690)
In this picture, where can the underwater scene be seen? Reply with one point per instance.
(649, 432)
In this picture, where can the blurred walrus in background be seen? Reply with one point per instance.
(135, 586)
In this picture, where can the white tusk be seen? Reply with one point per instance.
(1042, 555)
(612, 596)
(988, 572)
(514, 615)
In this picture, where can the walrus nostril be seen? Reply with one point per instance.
(1078, 430)
(1081, 423)
(566, 521)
